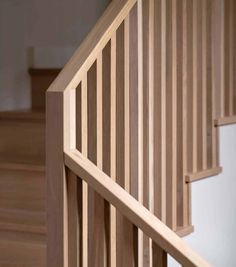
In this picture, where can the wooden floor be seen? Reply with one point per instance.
(22, 189)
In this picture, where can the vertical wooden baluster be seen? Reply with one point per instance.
(150, 89)
(74, 200)
(204, 84)
(215, 47)
(222, 61)
(151, 145)
(57, 225)
(182, 216)
(182, 187)
(226, 57)
(140, 124)
(113, 150)
(133, 83)
(106, 144)
(199, 86)
(189, 85)
(169, 106)
(136, 115)
(123, 246)
(234, 56)
(212, 132)
(195, 86)
(127, 106)
(99, 112)
(163, 110)
(174, 116)
(78, 110)
(73, 245)
(188, 105)
(84, 116)
(173, 221)
(214, 36)
(72, 182)
(231, 57)
(146, 125)
(157, 97)
(133, 113)
(155, 76)
(95, 201)
(171, 113)
(103, 257)
(128, 228)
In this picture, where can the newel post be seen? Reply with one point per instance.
(57, 210)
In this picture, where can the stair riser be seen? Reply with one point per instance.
(40, 82)
(22, 190)
(20, 254)
(22, 139)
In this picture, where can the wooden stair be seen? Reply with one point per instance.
(22, 180)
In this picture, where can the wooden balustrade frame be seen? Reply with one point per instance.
(139, 101)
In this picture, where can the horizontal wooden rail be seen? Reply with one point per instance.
(132, 209)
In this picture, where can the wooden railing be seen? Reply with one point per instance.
(132, 209)
(224, 61)
(130, 124)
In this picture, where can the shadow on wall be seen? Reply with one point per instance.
(213, 207)
(52, 28)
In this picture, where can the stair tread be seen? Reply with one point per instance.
(26, 114)
(22, 253)
(22, 163)
(23, 221)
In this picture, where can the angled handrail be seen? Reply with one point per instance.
(96, 40)
(133, 210)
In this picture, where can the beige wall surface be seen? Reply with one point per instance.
(43, 25)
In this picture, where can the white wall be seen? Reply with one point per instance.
(214, 208)
(49, 24)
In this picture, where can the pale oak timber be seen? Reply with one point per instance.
(203, 174)
(225, 121)
(131, 208)
(97, 39)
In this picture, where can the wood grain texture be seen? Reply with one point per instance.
(84, 127)
(148, 108)
(112, 245)
(57, 249)
(74, 219)
(132, 209)
(106, 136)
(134, 120)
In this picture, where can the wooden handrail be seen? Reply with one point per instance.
(127, 43)
(132, 209)
(86, 54)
